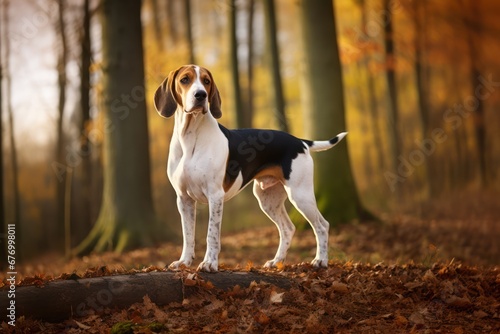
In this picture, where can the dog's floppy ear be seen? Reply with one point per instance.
(165, 101)
(214, 99)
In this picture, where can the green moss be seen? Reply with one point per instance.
(126, 327)
(156, 327)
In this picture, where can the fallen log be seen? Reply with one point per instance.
(62, 299)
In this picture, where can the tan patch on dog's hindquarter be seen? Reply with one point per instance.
(266, 178)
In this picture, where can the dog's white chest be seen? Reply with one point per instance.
(195, 168)
(192, 179)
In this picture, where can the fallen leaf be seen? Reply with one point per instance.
(276, 297)
(81, 326)
(413, 285)
(262, 318)
(417, 318)
(429, 276)
(400, 321)
(480, 314)
(456, 301)
(215, 305)
(339, 287)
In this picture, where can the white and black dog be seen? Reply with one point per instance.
(210, 164)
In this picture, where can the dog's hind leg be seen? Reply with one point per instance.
(272, 201)
(300, 189)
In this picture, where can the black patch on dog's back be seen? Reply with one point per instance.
(253, 150)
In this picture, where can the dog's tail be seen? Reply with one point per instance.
(317, 146)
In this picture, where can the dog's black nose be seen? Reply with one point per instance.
(200, 95)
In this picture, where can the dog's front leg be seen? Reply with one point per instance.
(187, 210)
(211, 261)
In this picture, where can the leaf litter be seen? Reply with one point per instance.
(408, 275)
(343, 298)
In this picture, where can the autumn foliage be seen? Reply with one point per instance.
(348, 297)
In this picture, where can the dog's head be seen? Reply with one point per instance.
(191, 88)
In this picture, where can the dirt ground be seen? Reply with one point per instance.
(435, 270)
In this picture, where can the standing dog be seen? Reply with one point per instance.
(210, 164)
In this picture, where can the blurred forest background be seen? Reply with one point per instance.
(421, 82)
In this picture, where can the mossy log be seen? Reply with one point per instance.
(62, 299)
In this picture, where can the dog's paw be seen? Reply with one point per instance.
(274, 263)
(319, 263)
(209, 267)
(178, 265)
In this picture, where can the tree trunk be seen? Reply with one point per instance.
(3, 235)
(189, 31)
(250, 65)
(235, 73)
(325, 113)
(59, 300)
(474, 30)
(271, 31)
(157, 24)
(61, 82)
(85, 206)
(173, 29)
(372, 95)
(393, 111)
(12, 140)
(419, 17)
(126, 219)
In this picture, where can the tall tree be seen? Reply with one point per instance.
(393, 111)
(324, 112)
(372, 95)
(173, 29)
(419, 15)
(3, 236)
(126, 218)
(474, 29)
(274, 54)
(12, 139)
(85, 145)
(61, 82)
(157, 24)
(189, 30)
(250, 64)
(235, 73)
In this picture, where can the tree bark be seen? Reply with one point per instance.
(3, 236)
(372, 95)
(324, 113)
(474, 29)
(393, 110)
(85, 206)
(126, 219)
(12, 139)
(59, 300)
(419, 20)
(189, 31)
(61, 82)
(250, 64)
(235, 73)
(157, 24)
(274, 54)
(173, 30)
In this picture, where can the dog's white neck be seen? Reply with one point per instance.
(189, 126)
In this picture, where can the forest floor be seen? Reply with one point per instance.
(432, 271)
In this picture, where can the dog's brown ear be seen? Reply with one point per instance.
(165, 101)
(214, 100)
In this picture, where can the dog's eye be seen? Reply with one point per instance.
(185, 80)
(206, 82)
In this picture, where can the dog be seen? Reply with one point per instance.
(210, 164)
